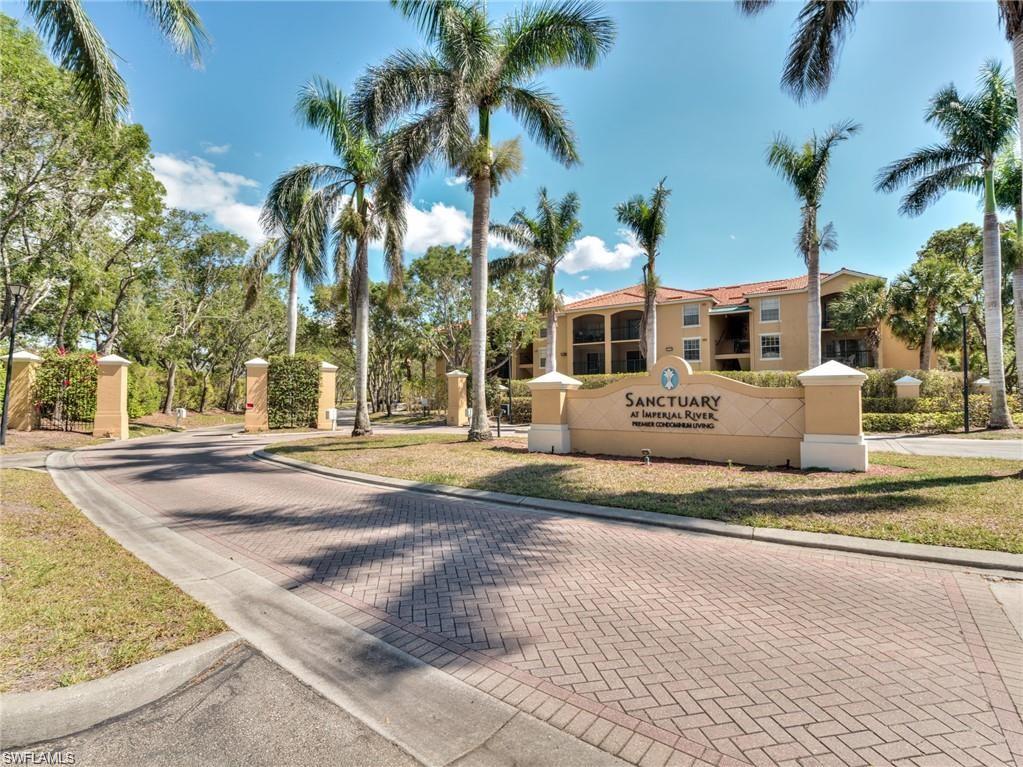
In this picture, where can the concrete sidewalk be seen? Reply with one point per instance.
(953, 447)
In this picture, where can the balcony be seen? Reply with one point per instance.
(855, 359)
(588, 336)
(628, 366)
(588, 367)
(732, 347)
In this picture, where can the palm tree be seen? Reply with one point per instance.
(932, 285)
(1009, 196)
(544, 241)
(473, 70)
(976, 128)
(806, 169)
(647, 220)
(363, 207)
(864, 306)
(80, 49)
(296, 229)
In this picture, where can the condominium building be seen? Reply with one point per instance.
(749, 326)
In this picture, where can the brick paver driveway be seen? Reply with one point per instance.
(662, 647)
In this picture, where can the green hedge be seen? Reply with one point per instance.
(980, 404)
(145, 391)
(773, 379)
(293, 391)
(923, 422)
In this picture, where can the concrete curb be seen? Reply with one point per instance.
(947, 555)
(431, 714)
(33, 717)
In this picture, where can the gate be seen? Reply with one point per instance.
(65, 392)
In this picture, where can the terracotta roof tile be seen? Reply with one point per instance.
(727, 295)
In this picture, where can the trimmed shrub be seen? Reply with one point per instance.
(774, 379)
(293, 391)
(601, 380)
(144, 391)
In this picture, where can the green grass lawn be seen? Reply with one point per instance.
(76, 605)
(406, 419)
(969, 502)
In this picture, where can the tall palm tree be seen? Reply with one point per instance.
(445, 97)
(80, 49)
(363, 207)
(806, 169)
(296, 230)
(864, 306)
(543, 242)
(975, 128)
(647, 220)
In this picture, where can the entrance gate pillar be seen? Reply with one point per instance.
(257, 414)
(833, 437)
(548, 428)
(458, 399)
(23, 376)
(111, 418)
(327, 411)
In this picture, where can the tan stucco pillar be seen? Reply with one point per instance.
(548, 429)
(111, 398)
(607, 342)
(907, 387)
(328, 403)
(257, 376)
(458, 399)
(23, 376)
(833, 436)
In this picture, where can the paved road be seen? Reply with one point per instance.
(245, 712)
(657, 646)
(948, 446)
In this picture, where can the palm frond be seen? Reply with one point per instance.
(554, 34)
(752, 7)
(827, 240)
(181, 25)
(544, 121)
(255, 271)
(928, 189)
(288, 192)
(467, 46)
(429, 15)
(506, 162)
(1010, 14)
(922, 162)
(821, 29)
(79, 48)
(514, 234)
(405, 82)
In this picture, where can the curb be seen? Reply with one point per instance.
(34, 717)
(920, 552)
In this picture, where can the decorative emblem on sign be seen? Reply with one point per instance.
(669, 378)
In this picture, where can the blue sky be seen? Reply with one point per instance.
(689, 92)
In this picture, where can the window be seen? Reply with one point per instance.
(543, 363)
(690, 315)
(770, 309)
(770, 346)
(543, 332)
(691, 349)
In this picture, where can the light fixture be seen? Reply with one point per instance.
(964, 308)
(17, 290)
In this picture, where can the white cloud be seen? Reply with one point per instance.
(196, 185)
(591, 252)
(210, 148)
(456, 180)
(582, 294)
(440, 225)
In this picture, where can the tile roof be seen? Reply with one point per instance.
(727, 295)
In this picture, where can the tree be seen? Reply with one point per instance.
(1009, 196)
(865, 306)
(475, 69)
(297, 228)
(79, 48)
(544, 241)
(806, 169)
(647, 220)
(932, 286)
(439, 288)
(975, 129)
(357, 192)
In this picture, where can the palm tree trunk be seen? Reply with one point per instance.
(1000, 417)
(927, 345)
(813, 292)
(292, 309)
(479, 426)
(1017, 276)
(552, 344)
(649, 349)
(362, 425)
(168, 395)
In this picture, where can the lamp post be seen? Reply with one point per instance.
(964, 309)
(17, 291)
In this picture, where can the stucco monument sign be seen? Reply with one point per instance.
(675, 413)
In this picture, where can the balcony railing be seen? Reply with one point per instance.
(588, 336)
(628, 366)
(733, 346)
(525, 359)
(588, 368)
(625, 332)
(857, 359)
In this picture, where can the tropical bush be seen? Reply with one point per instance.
(293, 391)
(65, 385)
(768, 378)
(145, 391)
